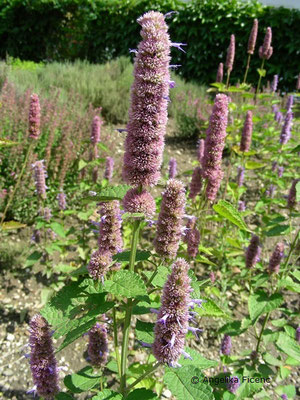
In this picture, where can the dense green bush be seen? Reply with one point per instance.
(101, 30)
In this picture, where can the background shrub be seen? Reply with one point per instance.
(102, 30)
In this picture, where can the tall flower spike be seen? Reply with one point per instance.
(286, 128)
(276, 257)
(201, 147)
(289, 103)
(42, 360)
(172, 319)
(98, 345)
(240, 176)
(149, 101)
(196, 183)
(213, 185)
(215, 137)
(266, 50)
(253, 252)
(230, 54)
(252, 37)
(169, 222)
(109, 168)
(219, 77)
(135, 201)
(34, 117)
(193, 240)
(172, 168)
(110, 236)
(274, 84)
(233, 384)
(292, 194)
(96, 130)
(226, 345)
(40, 178)
(247, 133)
(62, 204)
(99, 263)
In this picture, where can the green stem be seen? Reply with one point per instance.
(247, 68)
(116, 341)
(227, 80)
(127, 321)
(293, 245)
(144, 375)
(259, 80)
(11, 197)
(261, 332)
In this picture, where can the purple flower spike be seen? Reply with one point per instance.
(196, 183)
(298, 334)
(98, 345)
(42, 360)
(34, 117)
(201, 149)
(169, 222)
(172, 168)
(266, 50)
(233, 384)
(213, 185)
(242, 206)
(226, 345)
(274, 166)
(135, 201)
(278, 117)
(247, 133)
(219, 77)
(292, 194)
(270, 192)
(99, 263)
(240, 176)
(193, 240)
(252, 37)
(280, 172)
(61, 197)
(276, 257)
(274, 84)
(215, 137)
(230, 54)
(289, 103)
(212, 277)
(253, 252)
(95, 130)
(169, 337)
(40, 178)
(47, 214)
(148, 111)
(284, 397)
(110, 236)
(109, 168)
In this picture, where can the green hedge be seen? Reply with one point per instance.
(99, 30)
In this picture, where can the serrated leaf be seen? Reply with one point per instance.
(211, 309)
(260, 303)
(197, 360)
(226, 210)
(141, 255)
(144, 394)
(289, 346)
(109, 193)
(126, 283)
(145, 331)
(6, 226)
(82, 381)
(178, 381)
(254, 165)
(277, 230)
(33, 258)
(7, 143)
(58, 229)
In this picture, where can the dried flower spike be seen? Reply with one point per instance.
(172, 319)
(135, 201)
(34, 117)
(276, 257)
(149, 100)
(247, 133)
(252, 37)
(98, 345)
(169, 222)
(42, 360)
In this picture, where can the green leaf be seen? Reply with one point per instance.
(289, 346)
(141, 255)
(272, 360)
(82, 164)
(145, 331)
(107, 394)
(144, 394)
(33, 258)
(204, 260)
(102, 146)
(58, 229)
(6, 226)
(109, 193)
(161, 276)
(234, 328)
(254, 165)
(7, 143)
(260, 303)
(179, 382)
(211, 309)
(225, 209)
(298, 191)
(82, 381)
(261, 72)
(126, 283)
(295, 149)
(197, 360)
(277, 230)
(289, 390)
(64, 396)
